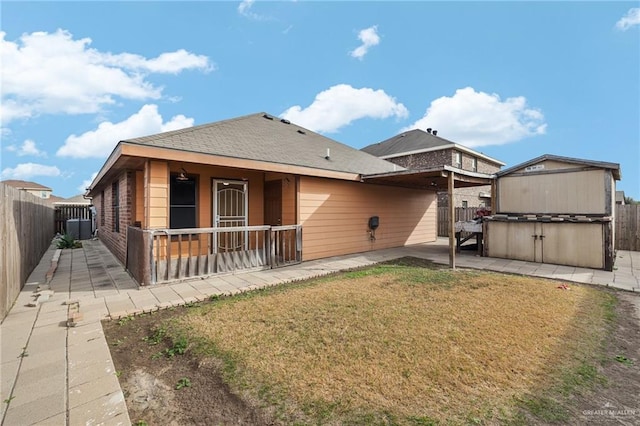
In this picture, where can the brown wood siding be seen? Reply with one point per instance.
(334, 217)
(579, 192)
(158, 193)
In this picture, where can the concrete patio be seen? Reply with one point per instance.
(52, 374)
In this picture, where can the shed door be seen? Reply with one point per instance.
(513, 240)
(576, 244)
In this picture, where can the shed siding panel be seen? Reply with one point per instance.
(334, 216)
(580, 192)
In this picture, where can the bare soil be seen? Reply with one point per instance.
(150, 381)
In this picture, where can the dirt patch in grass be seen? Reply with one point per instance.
(399, 343)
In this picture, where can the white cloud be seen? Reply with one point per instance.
(369, 37)
(245, 6)
(29, 170)
(28, 147)
(100, 142)
(342, 104)
(477, 118)
(629, 20)
(45, 73)
(87, 182)
(244, 9)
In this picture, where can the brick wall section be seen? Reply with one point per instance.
(116, 242)
(470, 195)
(447, 157)
(424, 160)
(442, 158)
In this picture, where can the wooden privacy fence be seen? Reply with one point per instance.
(26, 230)
(628, 227)
(69, 211)
(462, 214)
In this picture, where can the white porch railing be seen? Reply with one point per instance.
(178, 254)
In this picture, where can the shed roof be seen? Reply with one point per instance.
(264, 137)
(417, 141)
(614, 167)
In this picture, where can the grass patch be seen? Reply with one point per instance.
(403, 344)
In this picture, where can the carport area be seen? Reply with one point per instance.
(437, 179)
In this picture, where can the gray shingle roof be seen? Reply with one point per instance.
(413, 140)
(264, 137)
(23, 184)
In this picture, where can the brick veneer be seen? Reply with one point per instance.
(117, 241)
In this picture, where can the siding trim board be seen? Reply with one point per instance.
(554, 171)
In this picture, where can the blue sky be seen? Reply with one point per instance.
(514, 80)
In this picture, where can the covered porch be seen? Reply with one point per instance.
(440, 178)
(181, 220)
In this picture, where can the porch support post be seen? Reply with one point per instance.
(452, 219)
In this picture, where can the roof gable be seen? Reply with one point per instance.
(23, 184)
(263, 137)
(413, 140)
(418, 141)
(614, 167)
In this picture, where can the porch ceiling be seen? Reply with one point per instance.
(432, 178)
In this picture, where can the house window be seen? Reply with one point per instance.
(474, 164)
(43, 194)
(457, 160)
(465, 204)
(102, 208)
(182, 207)
(115, 205)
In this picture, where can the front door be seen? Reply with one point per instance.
(230, 210)
(273, 202)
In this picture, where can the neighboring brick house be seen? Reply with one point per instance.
(419, 149)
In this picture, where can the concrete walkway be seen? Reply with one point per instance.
(52, 374)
